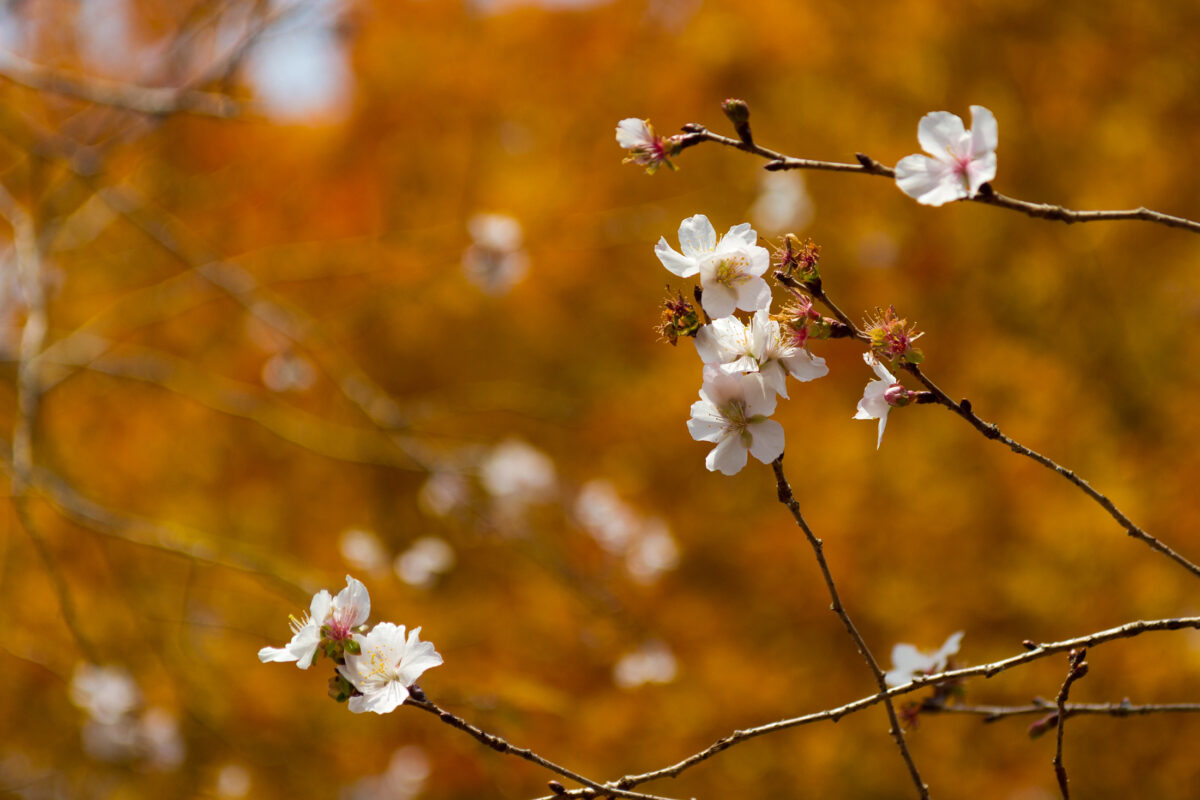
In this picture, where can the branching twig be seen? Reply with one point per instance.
(695, 134)
(1077, 669)
(788, 499)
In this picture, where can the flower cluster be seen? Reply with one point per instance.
(375, 668)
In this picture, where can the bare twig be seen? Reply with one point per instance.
(788, 499)
(695, 134)
(1077, 669)
(1041, 706)
(592, 788)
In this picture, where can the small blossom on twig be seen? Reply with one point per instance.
(330, 620)
(732, 411)
(387, 666)
(800, 259)
(730, 270)
(909, 662)
(645, 148)
(959, 160)
(800, 321)
(880, 395)
(760, 347)
(892, 337)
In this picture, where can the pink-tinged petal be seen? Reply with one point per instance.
(803, 366)
(728, 457)
(873, 405)
(939, 132)
(719, 300)
(706, 424)
(985, 136)
(633, 133)
(418, 657)
(751, 296)
(979, 171)
(675, 263)
(929, 181)
(355, 597)
(383, 700)
(697, 236)
(268, 654)
(767, 444)
(740, 237)
(879, 369)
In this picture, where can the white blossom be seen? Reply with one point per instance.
(386, 666)
(732, 411)
(106, 693)
(653, 662)
(495, 261)
(759, 347)
(873, 404)
(340, 614)
(730, 270)
(959, 160)
(909, 662)
(424, 561)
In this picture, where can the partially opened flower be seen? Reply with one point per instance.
(759, 347)
(335, 617)
(908, 662)
(959, 160)
(875, 403)
(730, 270)
(732, 411)
(645, 149)
(386, 665)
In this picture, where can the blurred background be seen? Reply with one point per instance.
(364, 288)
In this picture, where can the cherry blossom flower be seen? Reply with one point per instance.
(759, 348)
(730, 270)
(645, 149)
(732, 411)
(874, 403)
(339, 616)
(386, 666)
(959, 160)
(909, 662)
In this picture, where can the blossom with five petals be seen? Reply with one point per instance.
(645, 149)
(337, 615)
(874, 403)
(758, 348)
(909, 662)
(732, 411)
(730, 270)
(959, 160)
(386, 666)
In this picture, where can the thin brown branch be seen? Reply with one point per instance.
(1035, 653)
(1076, 670)
(991, 713)
(695, 134)
(152, 100)
(788, 499)
(592, 788)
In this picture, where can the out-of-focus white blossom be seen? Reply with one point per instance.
(340, 615)
(959, 160)
(444, 493)
(611, 522)
(495, 261)
(908, 662)
(733, 411)
(424, 561)
(362, 550)
(233, 781)
(405, 777)
(288, 371)
(652, 552)
(783, 203)
(517, 472)
(653, 662)
(730, 270)
(107, 694)
(386, 666)
(159, 739)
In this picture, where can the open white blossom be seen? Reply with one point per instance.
(959, 160)
(873, 404)
(732, 411)
(758, 347)
(386, 666)
(730, 270)
(645, 148)
(909, 662)
(340, 614)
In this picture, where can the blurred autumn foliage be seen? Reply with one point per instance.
(376, 296)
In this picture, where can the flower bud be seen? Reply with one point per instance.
(679, 318)
(739, 114)
(896, 395)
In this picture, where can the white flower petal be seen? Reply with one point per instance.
(697, 236)
(938, 132)
(980, 171)
(880, 370)
(804, 366)
(675, 263)
(633, 133)
(355, 600)
(268, 654)
(387, 698)
(985, 136)
(760, 399)
(418, 657)
(719, 300)
(741, 236)
(728, 457)
(752, 295)
(929, 181)
(773, 378)
(767, 443)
